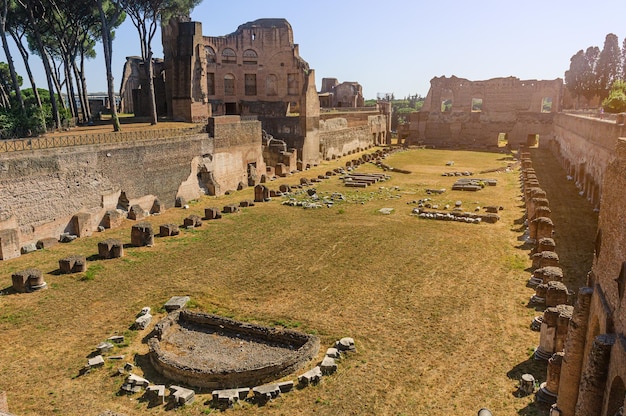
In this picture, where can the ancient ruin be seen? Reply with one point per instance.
(264, 354)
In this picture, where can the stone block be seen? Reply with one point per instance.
(168, 230)
(117, 339)
(345, 344)
(136, 213)
(192, 221)
(143, 321)
(9, 244)
(285, 386)
(46, 243)
(261, 193)
(28, 248)
(112, 219)
(328, 366)
(227, 397)
(142, 235)
(157, 207)
(155, 394)
(333, 353)
(180, 202)
(73, 264)
(230, 209)
(110, 249)
(81, 224)
(312, 376)
(266, 392)
(182, 396)
(29, 280)
(246, 203)
(175, 303)
(212, 213)
(97, 361)
(104, 347)
(281, 170)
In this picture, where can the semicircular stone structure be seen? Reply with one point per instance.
(205, 350)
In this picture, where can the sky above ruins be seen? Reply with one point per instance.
(398, 46)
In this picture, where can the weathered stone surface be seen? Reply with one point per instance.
(143, 321)
(45, 243)
(345, 344)
(261, 193)
(168, 230)
(97, 361)
(81, 224)
(312, 376)
(182, 396)
(28, 280)
(104, 347)
(230, 209)
(180, 202)
(155, 394)
(176, 302)
(192, 221)
(142, 235)
(328, 366)
(112, 219)
(246, 203)
(110, 249)
(157, 207)
(9, 244)
(28, 248)
(136, 213)
(212, 213)
(73, 264)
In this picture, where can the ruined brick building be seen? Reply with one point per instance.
(345, 94)
(460, 112)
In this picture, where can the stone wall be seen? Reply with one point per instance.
(461, 113)
(42, 190)
(338, 138)
(585, 146)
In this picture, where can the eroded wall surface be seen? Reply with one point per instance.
(461, 113)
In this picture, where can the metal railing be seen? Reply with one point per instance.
(37, 143)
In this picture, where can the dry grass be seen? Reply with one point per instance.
(437, 309)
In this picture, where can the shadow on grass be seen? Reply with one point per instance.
(8, 291)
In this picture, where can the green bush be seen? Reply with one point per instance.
(616, 101)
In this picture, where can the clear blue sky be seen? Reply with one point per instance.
(398, 46)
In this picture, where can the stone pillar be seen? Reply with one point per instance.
(548, 334)
(556, 294)
(546, 244)
(562, 325)
(593, 380)
(548, 391)
(549, 274)
(574, 351)
(261, 193)
(542, 211)
(81, 224)
(545, 258)
(545, 227)
(142, 235)
(110, 249)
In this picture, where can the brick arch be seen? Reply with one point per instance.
(229, 56)
(211, 57)
(250, 57)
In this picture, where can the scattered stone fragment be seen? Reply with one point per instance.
(142, 235)
(46, 243)
(67, 238)
(117, 339)
(212, 213)
(104, 347)
(136, 213)
(385, 211)
(110, 249)
(312, 376)
(285, 386)
(155, 394)
(168, 230)
(227, 397)
(29, 280)
(144, 311)
(134, 384)
(143, 321)
(263, 394)
(97, 361)
(73, 264)
(181, 396)
(28, 248)
(333, 353)
(230, 209)
(192, 221)
(328, 366)
(175, 303)
(345, 344)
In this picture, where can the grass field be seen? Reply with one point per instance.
(438, 310)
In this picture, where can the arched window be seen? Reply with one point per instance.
(210, 54)
(229, 84)
(250, 57)
(229, 56)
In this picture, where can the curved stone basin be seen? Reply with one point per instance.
(205, 350)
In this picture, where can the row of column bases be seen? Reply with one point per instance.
(570, 389)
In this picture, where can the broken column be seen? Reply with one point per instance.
(110, 249)
(556, 293)
(73, 264)
(29, 280)
(545, 228)
(546, 244)
(142, 235)
(548, 390)
(545, 258)
(192, 221)
(261, 193)
(547, 336)
(212, 213)
(168, 230)
(574, 352)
